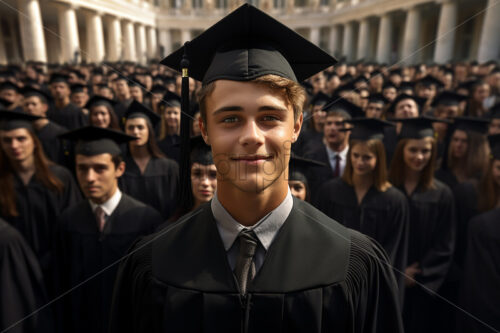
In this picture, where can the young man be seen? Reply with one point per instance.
(254, 259)
(10, 92)
(97, 232)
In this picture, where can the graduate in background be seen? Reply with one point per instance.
(432, 221)
(33, 190)
(149, 176)
(97, 232)
(299, 170)
(102, 114)
(170, 125)
(364, 200)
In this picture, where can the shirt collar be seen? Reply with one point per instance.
(265, 229)
(109, 206)
(331, 154)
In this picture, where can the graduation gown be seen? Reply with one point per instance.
(317, 276)
(157, 187)
(431, 244)
(308, 139)
(481, 288)
(52, 146)
(84, 252)
(38, 209)
(384, 216)
(21, 285)
(318, 175)
(170, 146)
(70, 116)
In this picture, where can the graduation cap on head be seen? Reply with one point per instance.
(320, 99)
(420, 102)
(396, 71)
(103, 85)
(377, 98)
(7, 85)
(59, 77)
(11, 120)
(139, 110)
(346, 77)
(92, 140)
(4, 103)
(418, 128)
(448, 98)
(98, 100)
(29, 91)
(471, 124)
(170, 99)
(338, 103)
(98, 71)
(389, 84)
(494, 141)
(406, 85)
(298, 167)
(430, 80)
(158, 89)
(7, 73)
(78, 88)
(367, 128)
(345, 88)
(467, 85)
(133, 83)
(201, 153)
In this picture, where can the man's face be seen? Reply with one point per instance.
(98, 176)
(136, 93)
(10, 95)
(250, 129)
(427, 92)
(390, 93)
(121, 88)
(333, 136)
(80, 98)
(406, 108)
(34, 106)
(374, 110)
(494, 126)
(59, 90)
(172, 116)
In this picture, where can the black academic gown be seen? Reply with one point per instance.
(317, 276)
(157, 187)
(390, 142)
(84, 252)
(52, 145)
(318, 175)
(170, 146)
(384, 216)
(70, 116)
(308, 139)
(120, 109)
(39, 209)
(480, 292)
(21, 286)
(431, 244)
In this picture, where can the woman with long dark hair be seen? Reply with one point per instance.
(432, 221)
(149, 176)
(33, 190)
(364, 200)
(102, 114)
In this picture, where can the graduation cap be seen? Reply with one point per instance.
(8, 85)
(430, 80)
(359, 79)
(92, 140)
(377, 98)
(345, 77)
(367, 128)
(345, 88)
(420, 102)
(78, 88)
(396, 71)
(59, 77)
(298, 167)
(467, 85)
(4, 103)
(247, 44)
(418, 128)
(494, 141)
(406, 85)
(11, 120)
(338, 103)
(98, 71)
(389, 84)
(32, 91)
(158, 89)
(98, 100)
(139, 110)
(448, 98)
(320, 99)
(170, 99)
(201, 153)
(471, 124)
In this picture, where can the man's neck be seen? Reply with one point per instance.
(104, 199)
(41, 123)
(338, 148)
(61, 103)
(249, 207)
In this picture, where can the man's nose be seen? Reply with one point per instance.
(251, 134)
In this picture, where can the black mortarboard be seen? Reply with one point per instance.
(201, 153)
(467, 85)
(396, 71)
(31, 91)
(345, 77)
(377, 98)
(367, 128)
(98, 71)
(389, 84)
(99, 100)
(132, 82)
(338, 103)
(4, 103)
(139, 110)
(472, 124)
(417, 128)
(406, 85)
(430, 80)
(158, 89)
(92, 140)
(494, 141)
(320, 99)
(58, 77)
(170, 99)
(78, 88)
(345, 87)
(7, 73)
(494, 112)
(103, 85)
(298, 167)
(359, 79)
(11, 120)
(78, 74)
(247, 44)
(7, 85)
(420, 102)
(448, 98)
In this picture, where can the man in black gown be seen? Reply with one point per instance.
(254, 259)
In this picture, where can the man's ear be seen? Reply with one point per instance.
(297, 126)
(204, 132)
(120, 169)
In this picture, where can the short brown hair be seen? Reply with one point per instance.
(379, 174)
(397, 171)
(294, 93)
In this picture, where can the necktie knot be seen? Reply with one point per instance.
(100, 216)
(245, 264)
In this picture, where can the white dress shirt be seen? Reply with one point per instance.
(343, 158)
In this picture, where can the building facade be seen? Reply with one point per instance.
(385, 31)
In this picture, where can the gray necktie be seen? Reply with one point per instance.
(245, 265)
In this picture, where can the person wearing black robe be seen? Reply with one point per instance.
(149, 176)
(253, 259)
(432, 223)
(21, 286)
(32, 201)
(382, 212)
(169, 129)
(97, 232)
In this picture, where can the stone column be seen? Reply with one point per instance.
(141, 43)
(315, 35)
(3, 53)
(32, 32)
(68, 32)
(95, 37)
(347, 42)
(363, 39)
(166, 42)
(334, 33)
(384, 39)
(152, 48)
(411, 36)
(290, 6)
(489, 42)
(114, 30)
(185, 36)
(446, 32)
(129, 37)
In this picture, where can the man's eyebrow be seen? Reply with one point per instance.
(240, 109)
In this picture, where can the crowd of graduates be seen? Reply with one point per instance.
(408, 155)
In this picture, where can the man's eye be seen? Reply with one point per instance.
(230, 120)
(269, 118)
